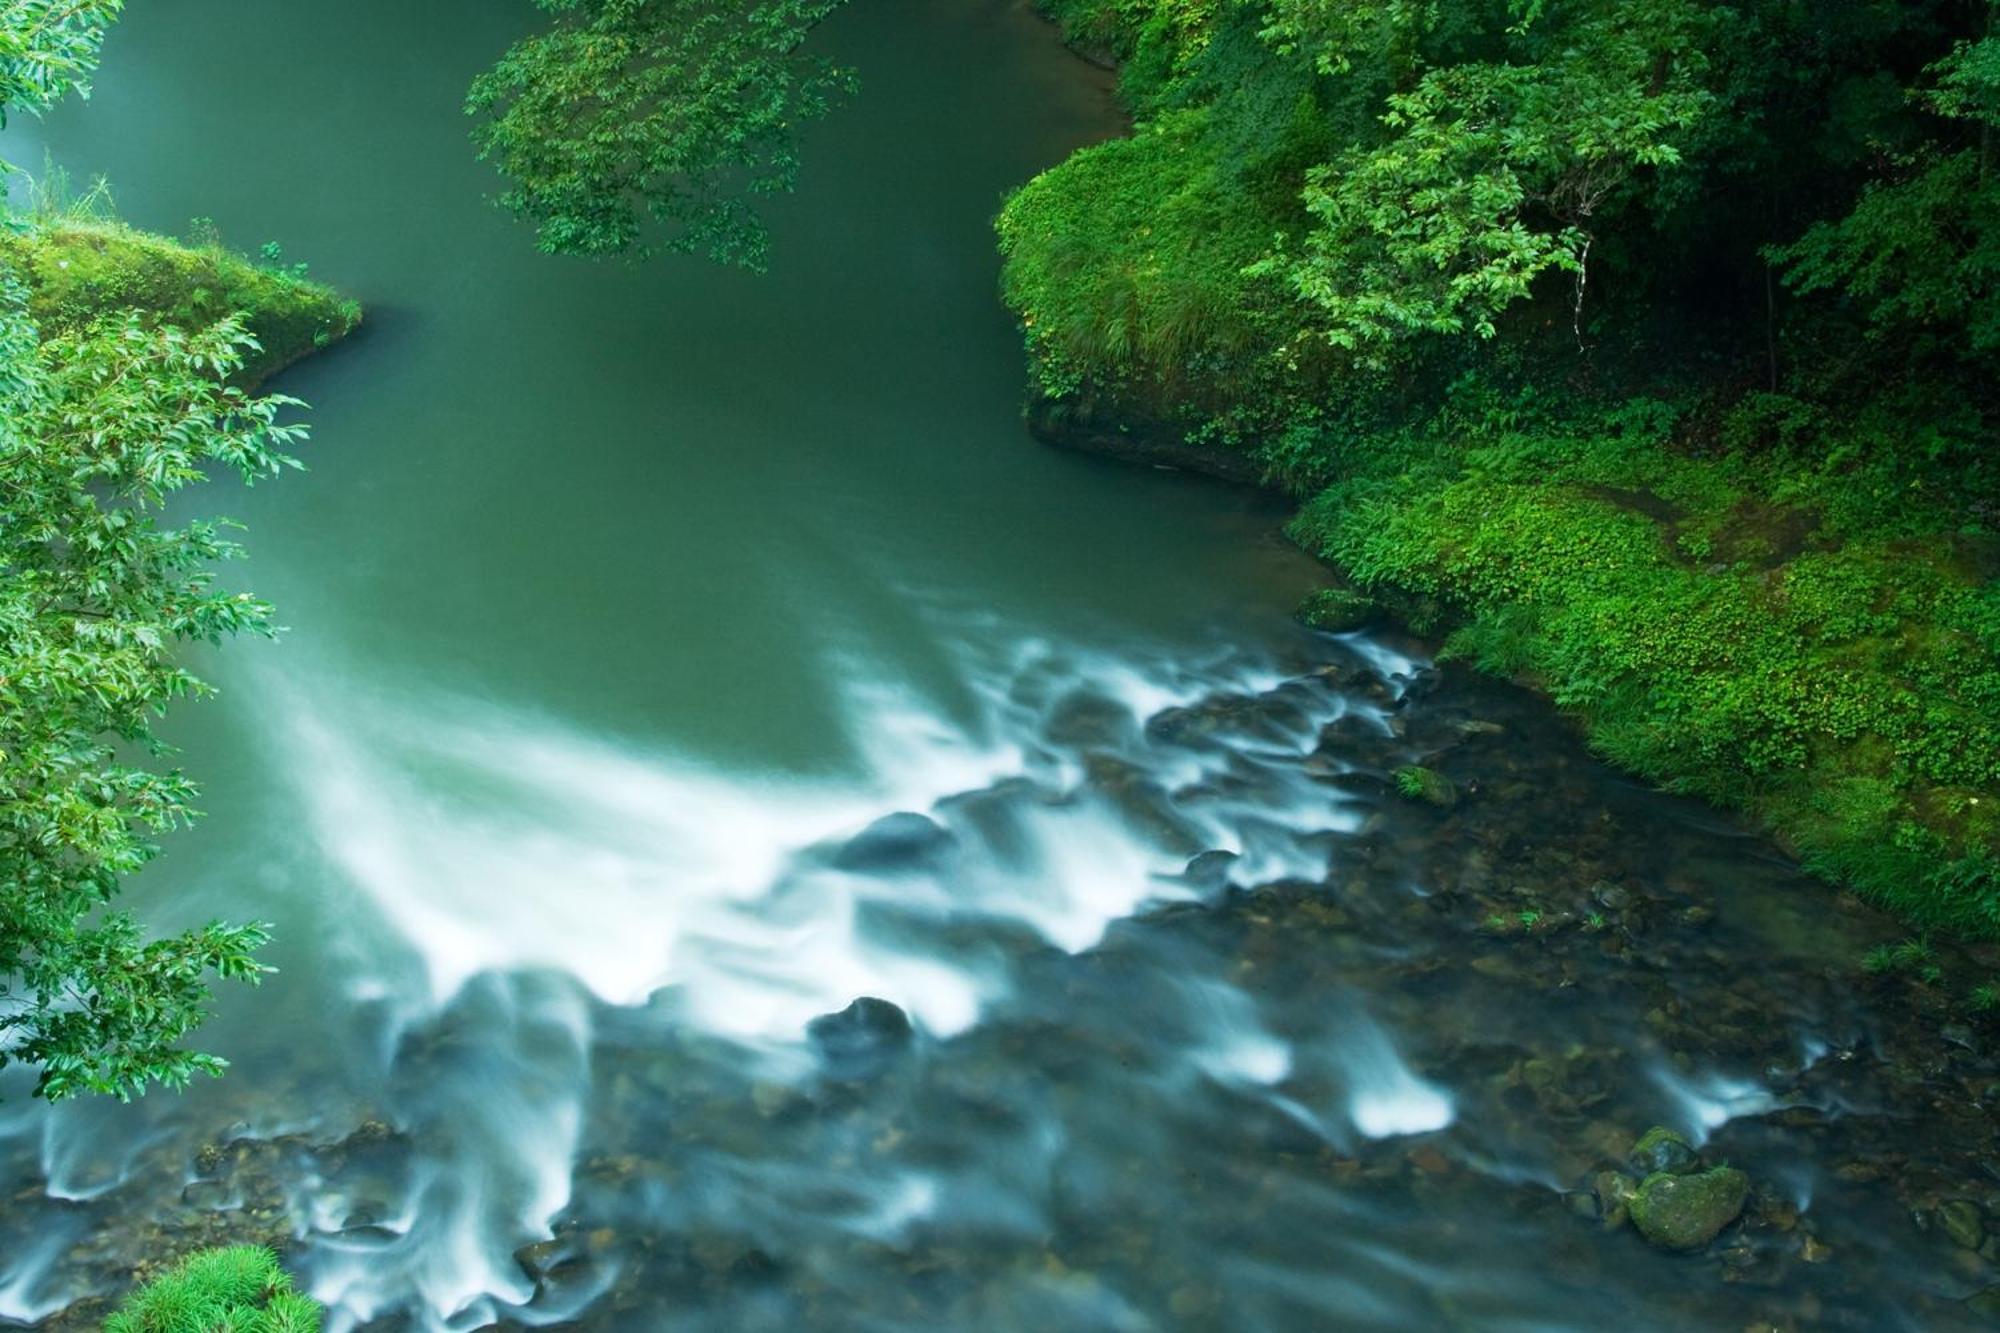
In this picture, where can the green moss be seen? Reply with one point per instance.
(239, 1289)
(1686, 1212)
(79, 268)
(1125, 266)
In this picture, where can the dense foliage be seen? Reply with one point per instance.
(100, 426)
(1650, 346)
(48, 48)
(240, 1289)
(120, 357)
(676, 113)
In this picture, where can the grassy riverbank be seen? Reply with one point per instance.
(1734, 508)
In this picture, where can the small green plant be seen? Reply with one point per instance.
(52, 197)
(1415, 783)
(273, 256)
(240, 1289)
(1528, 917)
(1984, 999)
(1913, 956)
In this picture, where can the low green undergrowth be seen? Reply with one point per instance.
(240, 1289)
(1815, 639)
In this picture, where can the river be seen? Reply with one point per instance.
(678, 655)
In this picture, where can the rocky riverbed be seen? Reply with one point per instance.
(1517, 1043)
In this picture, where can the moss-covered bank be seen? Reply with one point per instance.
(79, 268)
(1775, 591)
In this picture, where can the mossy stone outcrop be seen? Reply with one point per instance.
(78, 270)
(1686, 1212)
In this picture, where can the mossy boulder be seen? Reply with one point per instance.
(1686, 1212)
(1417, 783)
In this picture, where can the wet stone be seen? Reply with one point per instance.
(1614, 1197)
(1613, 897)
(1661, 1149)
(1687, 1212)
(545, 1258)
(901, 843)
(210, 1194)
(1209, 870)
(1962, 1220)
(861, 1040)
(1083, 719)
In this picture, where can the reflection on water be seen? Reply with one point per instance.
(1207, 1028)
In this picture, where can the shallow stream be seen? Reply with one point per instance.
(678, 656)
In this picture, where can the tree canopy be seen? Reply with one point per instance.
(99, 424)
(48, 48)
(653, 125)
(97, 428)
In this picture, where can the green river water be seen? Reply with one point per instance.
(623, 603)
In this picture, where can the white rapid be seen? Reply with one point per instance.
(545, 1047)
(499, 876)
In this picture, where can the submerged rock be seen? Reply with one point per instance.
(1427, 785)
(1686, 1212)
(861, 1040)
(895, 844)
(1209, 871)
(1614, 1197)
(1661, 1149)
(1963, 1221)
(546, 1259)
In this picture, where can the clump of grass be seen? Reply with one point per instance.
(1912, 957)
(51, 197)
(1416, 783)
(239, 1289)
